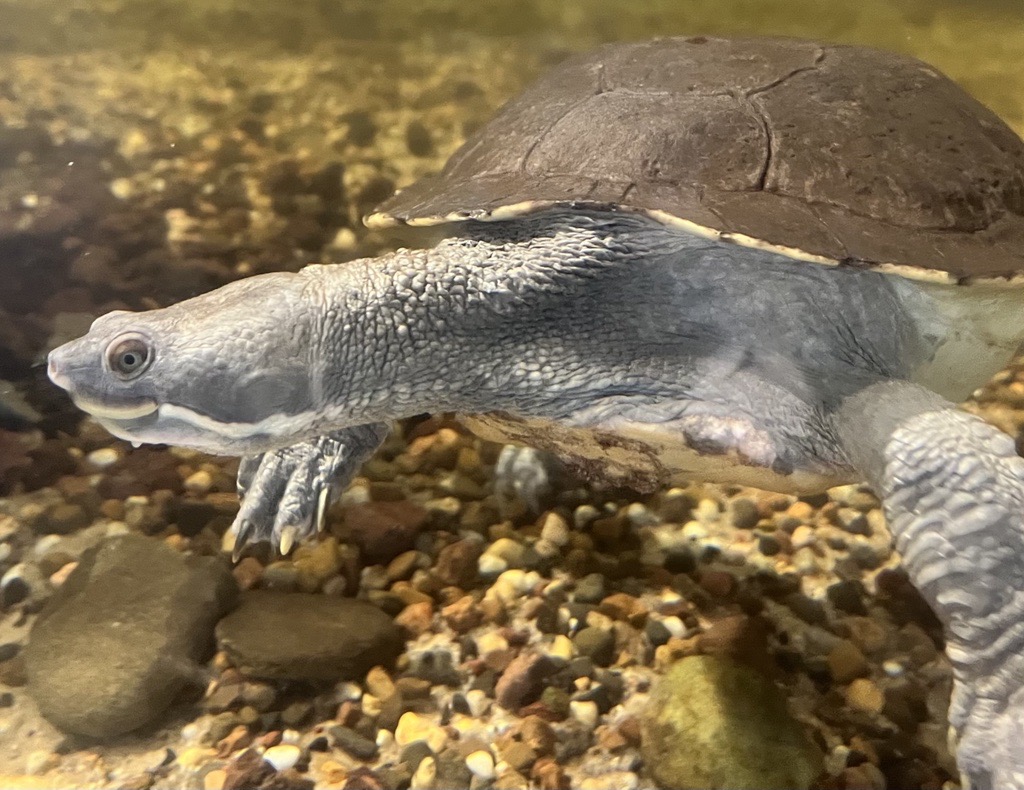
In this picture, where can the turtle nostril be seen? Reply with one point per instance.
(53, 369)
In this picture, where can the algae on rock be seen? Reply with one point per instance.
(714, 723)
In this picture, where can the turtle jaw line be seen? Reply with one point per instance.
(133, 411)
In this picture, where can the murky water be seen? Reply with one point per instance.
(151, 150)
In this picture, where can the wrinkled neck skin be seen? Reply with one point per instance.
(479, 322)
(953, 492)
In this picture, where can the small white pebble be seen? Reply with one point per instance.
(44, 544)
(191, 732)
(345, 239)
(412, 727)
(640, 516)
(561, 647)
(555, 529)
(199, 482)
(694, 530)
(115, 528)
(585, 712)
(31, 200)
(103, 457)
(584, 514)
(489, 642)
(283, 756)
(385, 739)
(291, 736)
(491, 565)
(675, 626)
(371, 705)
(478, 702)
(803, 536)
(481, 764)
(425, 775)
(893, 669)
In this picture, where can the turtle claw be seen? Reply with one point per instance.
(242, 531)
(287, 540)
(286, 492)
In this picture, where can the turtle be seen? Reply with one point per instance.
(771, 262)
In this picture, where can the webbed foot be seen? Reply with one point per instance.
(527, 475)
(285, 493)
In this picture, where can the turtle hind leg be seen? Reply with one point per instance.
(285, 492)
(952, 487)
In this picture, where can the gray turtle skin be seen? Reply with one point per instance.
(613, 323)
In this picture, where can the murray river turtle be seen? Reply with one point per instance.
(770, 262)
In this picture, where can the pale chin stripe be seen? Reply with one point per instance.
(99, 411)
(275, 425)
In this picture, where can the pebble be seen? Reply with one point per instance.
(863, 694)
(522, 682)
(555, 529)
(329, 638)
(134, 598)
(283, 756)
(413, 727)
(597, 644)
(590, 589)
(803, 536)
(491, 565)
(353, 743)
(585, 712)
(744, 513)
(481, 764)
(199, 482)
(846, 662)
(103, 457)
(425, 775)
(479, 703)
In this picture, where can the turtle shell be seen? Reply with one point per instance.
(837, 154)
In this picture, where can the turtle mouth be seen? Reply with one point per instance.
(124, 412)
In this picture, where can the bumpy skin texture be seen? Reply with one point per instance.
(953, 492)
(285, 492)
(954, 497)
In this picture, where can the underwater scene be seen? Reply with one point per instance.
(621, 453)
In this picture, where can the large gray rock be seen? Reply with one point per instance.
(713, 723)
(122, 636)
(307, 637)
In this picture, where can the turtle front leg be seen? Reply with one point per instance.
(953, 491)
(285, 493)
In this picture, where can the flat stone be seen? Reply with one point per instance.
(112, 648)
(712, 722)
(307, 637)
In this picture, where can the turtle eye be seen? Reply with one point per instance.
(129, 356)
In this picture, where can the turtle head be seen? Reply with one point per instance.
(226, 372)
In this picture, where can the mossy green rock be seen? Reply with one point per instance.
(715, 723)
